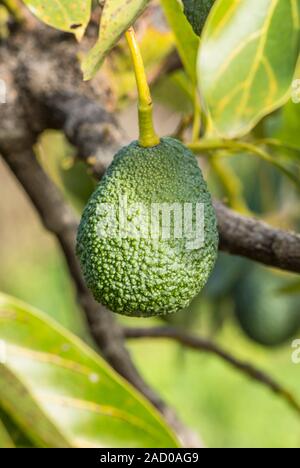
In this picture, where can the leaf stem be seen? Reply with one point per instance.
(237, 146)
(148, 136)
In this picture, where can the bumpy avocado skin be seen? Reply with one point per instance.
(143, 276)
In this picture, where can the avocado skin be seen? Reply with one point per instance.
(267, 316)
(143, 277)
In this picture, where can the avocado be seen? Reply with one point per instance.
(131, 267)
(266, 315)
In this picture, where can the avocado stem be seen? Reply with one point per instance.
(14, 9)
(148, 136)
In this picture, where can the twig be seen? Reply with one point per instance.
(201, 344)
(254, 239)
(242, 146)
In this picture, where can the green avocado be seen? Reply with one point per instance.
(266, 315)
(140, 264)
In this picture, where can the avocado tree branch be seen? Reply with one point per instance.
(256, 240)
(207, 346)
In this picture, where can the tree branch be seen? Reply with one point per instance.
(201, 344)
(257, 240)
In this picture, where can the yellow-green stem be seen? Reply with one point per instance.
(208, 145)
(197, 118)
(148, 136)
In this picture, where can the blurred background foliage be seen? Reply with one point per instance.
(227, 409)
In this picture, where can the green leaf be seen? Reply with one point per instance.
(63, 393)
(18, 401)
(16, 435)
(291, 288)
(247, 60)
(187, 41)
(197, 12)
(288, 132)
(5, 440)
(117, 16)
(175, 84)
(68, 15)
(58, 159)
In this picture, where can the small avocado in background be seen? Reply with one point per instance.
(140, 275)
(266, 315)
(226, 276)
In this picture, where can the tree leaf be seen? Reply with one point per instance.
(18, 401)
(68, 15)
(117, 16)
(16, 435)
(247, 60)
(186, 40)
(63, 393)
(5, 440)
(197, 12)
